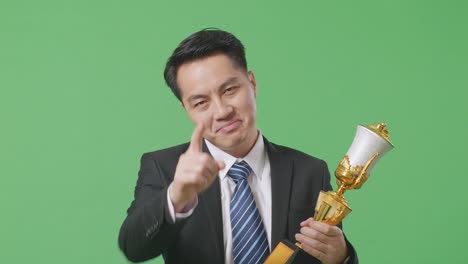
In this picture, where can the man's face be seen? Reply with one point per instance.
(221, 96)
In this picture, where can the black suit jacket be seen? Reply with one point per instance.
(296, 180)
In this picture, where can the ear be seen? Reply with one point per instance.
(252, 81)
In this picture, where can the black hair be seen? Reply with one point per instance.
(199, 45)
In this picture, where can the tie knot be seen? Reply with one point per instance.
(239, 171)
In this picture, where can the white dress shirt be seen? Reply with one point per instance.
(259, 181)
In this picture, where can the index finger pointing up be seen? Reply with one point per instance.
(196, 140)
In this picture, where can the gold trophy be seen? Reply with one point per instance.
(369, 145)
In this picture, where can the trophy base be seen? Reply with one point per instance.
(288, 253)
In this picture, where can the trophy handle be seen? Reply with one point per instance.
(363, 176)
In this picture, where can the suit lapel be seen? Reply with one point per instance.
(281, 177)
(211, 201)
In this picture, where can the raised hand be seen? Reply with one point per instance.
(195, 172)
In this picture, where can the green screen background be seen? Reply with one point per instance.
(82, 97)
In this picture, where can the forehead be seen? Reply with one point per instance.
(207, 73)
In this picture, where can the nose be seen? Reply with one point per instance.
(222, 110)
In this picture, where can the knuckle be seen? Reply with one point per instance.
(315, 243)
(327, 229)
(307, 232)
(200, 170)
(338, 231)
(314, 234)
(329, 248)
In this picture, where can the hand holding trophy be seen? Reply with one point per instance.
(369, 145)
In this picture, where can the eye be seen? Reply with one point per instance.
(230, 89)
(200, 103)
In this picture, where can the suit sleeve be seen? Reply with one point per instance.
(353, 259)
(146, 233)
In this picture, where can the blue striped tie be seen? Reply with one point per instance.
(249, 240)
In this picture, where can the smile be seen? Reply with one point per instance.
(229, 127)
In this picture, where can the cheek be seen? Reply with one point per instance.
(249, 107)
(201, 118)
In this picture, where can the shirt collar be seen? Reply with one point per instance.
(255, 158)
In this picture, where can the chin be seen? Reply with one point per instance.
(228, 143)
(232, 141)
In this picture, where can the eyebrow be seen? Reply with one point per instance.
(227, 82)
(224, 84)
(195, 97)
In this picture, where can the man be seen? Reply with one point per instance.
(228, 196)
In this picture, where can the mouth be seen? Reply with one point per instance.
(229, 127)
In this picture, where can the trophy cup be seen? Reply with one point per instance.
(369, 145)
